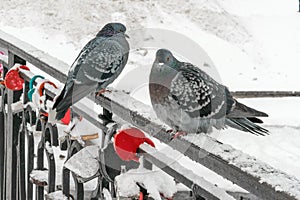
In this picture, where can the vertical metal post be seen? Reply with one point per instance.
(21, 149)
(40, 164)
(12, 124)
(73, 148)
(9, 138)
(50, 131)
(30, 115)
(2, 143)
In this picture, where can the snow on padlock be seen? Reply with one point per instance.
(85, 162)
(157, 184)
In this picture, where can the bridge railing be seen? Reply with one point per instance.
(15, 167)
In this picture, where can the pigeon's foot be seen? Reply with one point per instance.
(178, 134)
(106, 120)
(72, 124)
(102, 91)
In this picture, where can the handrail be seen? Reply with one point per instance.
(228, 167)
(265, 94)
(34, 56)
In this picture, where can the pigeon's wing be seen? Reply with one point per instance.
(220, 94)
(197, 93)
(99, 63)
(68, 87)
(104, 63)
(89, 47)
(74, 93)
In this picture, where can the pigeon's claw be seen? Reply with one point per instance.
(178, 134)
(102, 91)
(175, 134)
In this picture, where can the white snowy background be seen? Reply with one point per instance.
(254, 44)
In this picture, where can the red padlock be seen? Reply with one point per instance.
(13, 81)
(67, 118)
(127, 142)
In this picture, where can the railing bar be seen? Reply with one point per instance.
(192, 152)
(3, 62)
(211, 161)
(174, 169)
(265, 94)
(80, 108)
(34, 56)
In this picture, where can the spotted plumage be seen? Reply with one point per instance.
(187, 99)
(98, 64)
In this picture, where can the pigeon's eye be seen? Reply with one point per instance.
(168, 59)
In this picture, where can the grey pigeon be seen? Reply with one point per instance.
(98, 64)
(189, 100)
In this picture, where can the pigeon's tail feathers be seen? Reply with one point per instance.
(72, 95)
(241, 110)
(63, 102)
(246, 125)
(255, 120)
(60, 114)
(59, 98)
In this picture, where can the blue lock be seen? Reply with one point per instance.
(31, 88)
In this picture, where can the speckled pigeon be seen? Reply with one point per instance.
(189, 100)
(98, 64)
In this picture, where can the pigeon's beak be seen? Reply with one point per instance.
(126, 35)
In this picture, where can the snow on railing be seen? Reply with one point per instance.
(263, 94)
(15, 180)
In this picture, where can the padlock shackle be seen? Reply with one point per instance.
(41, 88)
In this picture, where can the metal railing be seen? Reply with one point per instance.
(15, 166)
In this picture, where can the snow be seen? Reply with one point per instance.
(84, 163)
(252, 43)
(197, 168)
(40, 175)
(56, 195)
(84, 127)
(278, 179)
(17, 106)
(48, 148)
(29, 104)
(272, 149)
(245, 30)
(106, 194)
(156, 182)
(189, 174)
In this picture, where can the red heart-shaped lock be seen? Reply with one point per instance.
(13, 81)
(128, 141)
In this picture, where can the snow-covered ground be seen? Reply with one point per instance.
(253, 44)
(253, 41)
